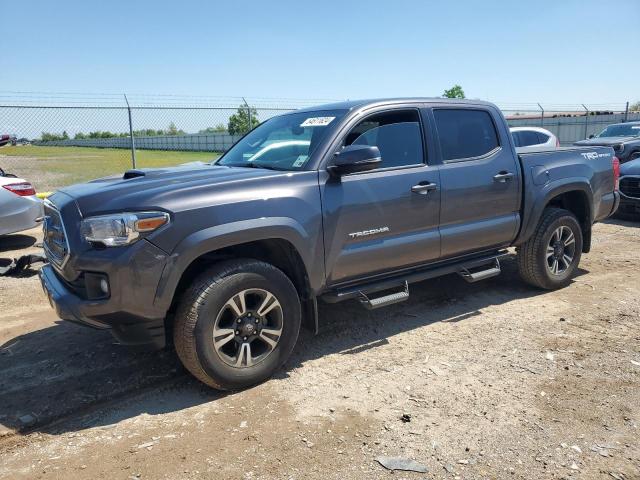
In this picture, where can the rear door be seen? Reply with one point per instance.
(480, 180)
(385, 219)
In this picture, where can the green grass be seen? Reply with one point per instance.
(49, 168)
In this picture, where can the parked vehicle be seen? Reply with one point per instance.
(19, 206)
(630, 190)
(531, 139)
(5, 140)
(623, 137)
(363, 198)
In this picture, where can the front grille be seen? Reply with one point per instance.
(55, 238)
(630, 187)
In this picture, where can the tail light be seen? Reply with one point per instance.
(557, 143)
(24, 189)
(616, 173)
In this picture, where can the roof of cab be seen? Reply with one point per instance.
(358, 104)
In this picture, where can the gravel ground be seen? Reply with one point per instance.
(487, 380)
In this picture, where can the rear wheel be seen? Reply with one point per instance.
(549, 258)
(237, 324)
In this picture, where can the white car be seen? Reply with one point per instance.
(531, 139)
(20, 209)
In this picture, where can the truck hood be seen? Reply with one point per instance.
(630, 168)
(607, 141)
(160, 188)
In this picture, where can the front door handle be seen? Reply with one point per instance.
(502, 177)
(423, 188)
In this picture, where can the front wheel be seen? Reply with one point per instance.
(552, 254)
(237, 324)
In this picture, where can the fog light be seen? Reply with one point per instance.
(97, 285)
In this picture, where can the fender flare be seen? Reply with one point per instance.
(542, 198)
(217, 237)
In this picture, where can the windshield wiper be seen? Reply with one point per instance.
(254, 165)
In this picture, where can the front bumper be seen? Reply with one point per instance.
(629, 206)
(127, 327)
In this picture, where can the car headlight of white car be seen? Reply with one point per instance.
(121, 228)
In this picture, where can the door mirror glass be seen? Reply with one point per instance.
(355, 158)
(591, 136)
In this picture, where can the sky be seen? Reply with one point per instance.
(554, 52)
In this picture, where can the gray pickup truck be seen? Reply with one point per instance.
(353, 200)
(624, 138)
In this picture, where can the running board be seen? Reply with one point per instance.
(479, 275)
(397, 281)
(383, 301)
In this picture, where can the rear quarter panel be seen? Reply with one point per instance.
(551, 173)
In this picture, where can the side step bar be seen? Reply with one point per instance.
(390, 299)
(473, 269)
(476, 276)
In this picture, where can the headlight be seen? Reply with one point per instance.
(121, 228)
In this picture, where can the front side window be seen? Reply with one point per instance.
(282, 143)
(465, 133)
(396, 134)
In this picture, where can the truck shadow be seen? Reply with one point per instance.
(68, 378)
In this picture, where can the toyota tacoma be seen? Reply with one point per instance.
(353, 200)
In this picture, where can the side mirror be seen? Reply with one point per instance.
(354, 159)
(592, 136)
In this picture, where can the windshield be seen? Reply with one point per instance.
(282, 143)
(621, 130)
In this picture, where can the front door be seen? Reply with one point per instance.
(385, 219)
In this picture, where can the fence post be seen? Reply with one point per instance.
(249, 112)
(541, 115)
(133, 143)
(586, 121)
(626, 112)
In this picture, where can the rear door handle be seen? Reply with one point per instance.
(502, 177)
(423, 188)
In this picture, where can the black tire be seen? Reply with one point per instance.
(207, 300)
(534, 266)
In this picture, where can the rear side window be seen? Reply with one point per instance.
(516, 138)
(397, 134)
(529, 138)
(542, 137)
(465, 133)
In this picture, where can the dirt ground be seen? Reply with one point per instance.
(487, 380)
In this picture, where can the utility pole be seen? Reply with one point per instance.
(541, 115)
(626, 112)
(133, 143)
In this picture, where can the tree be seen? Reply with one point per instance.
(454, 92)
(635, 107)
(219, 128)
(50, 137)
(239, 121)
(172, 130)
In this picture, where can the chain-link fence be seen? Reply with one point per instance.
(57, 140)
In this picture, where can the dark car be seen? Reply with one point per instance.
(623, 137)
(630, 190)
(354, 200)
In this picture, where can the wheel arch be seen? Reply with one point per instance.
(279, 242)
(574, 195)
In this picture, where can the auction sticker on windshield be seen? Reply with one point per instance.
(317, 122)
